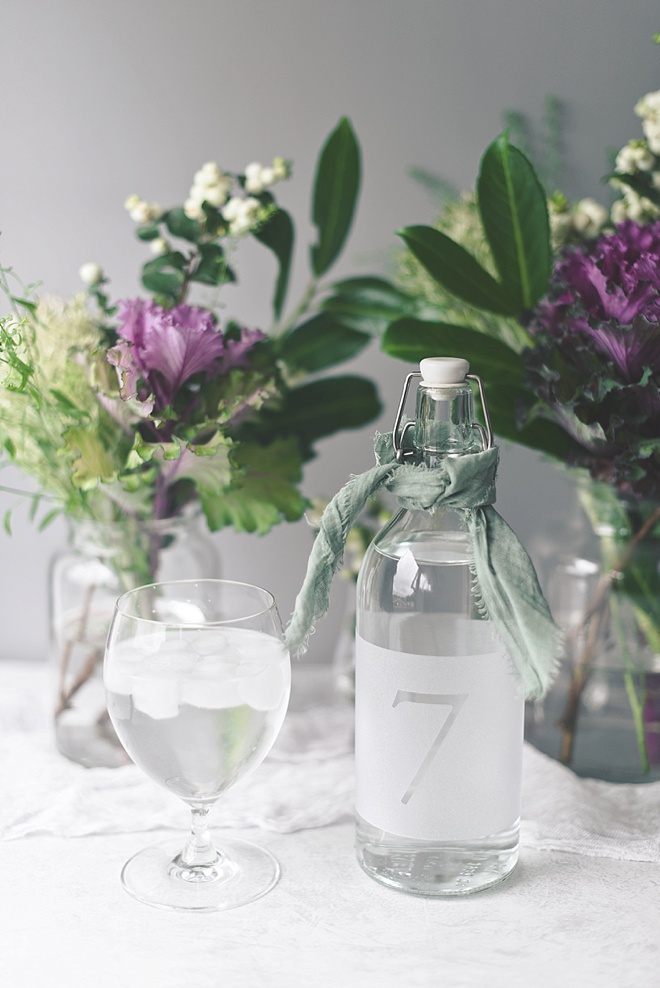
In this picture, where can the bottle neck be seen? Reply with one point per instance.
(444, 423)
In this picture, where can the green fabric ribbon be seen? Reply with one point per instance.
(507, 588)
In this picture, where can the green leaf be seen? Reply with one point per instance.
(214, 220)
(7, 521)
(181, 225)
(321, 342)
(648, 447)
(207, 465)
(65, 403)
(143, 451)
(322, 408)
(504, 405)
(34, 506)
(335, 195)
(264, 493)
(161, 276)
(147, 232)
(212, 268)
(413, 340)
(514, 214)
(277, 234)
(367, 304)
(92, 465)
(48, 518)
(456, 269)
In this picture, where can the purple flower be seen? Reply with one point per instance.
(608, 296)
(595, 359)
(161, 349)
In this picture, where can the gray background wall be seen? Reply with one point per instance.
(102, 100)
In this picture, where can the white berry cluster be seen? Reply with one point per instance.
(259, 177)
(242, 212)
(141, 211)
(568, 222)
(210, 184)
(648, 108)
(637, 157)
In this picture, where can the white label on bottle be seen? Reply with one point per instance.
(438, 743)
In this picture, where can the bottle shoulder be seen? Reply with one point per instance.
(437, 538)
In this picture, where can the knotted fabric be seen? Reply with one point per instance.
(506, 587)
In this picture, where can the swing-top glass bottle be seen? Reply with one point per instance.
(439, 719)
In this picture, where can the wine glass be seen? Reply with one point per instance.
(197, 681)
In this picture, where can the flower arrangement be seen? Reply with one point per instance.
(557, 306)
(594, 362)
(132, 410)
(130, 415)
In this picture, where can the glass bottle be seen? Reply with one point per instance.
(439, 718)
(102, 561)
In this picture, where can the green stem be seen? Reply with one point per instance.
(282, 328)
(634, 699)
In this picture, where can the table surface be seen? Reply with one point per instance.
(559, 919)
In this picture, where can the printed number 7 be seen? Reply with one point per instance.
(453, 700)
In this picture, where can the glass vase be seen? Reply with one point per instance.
(602, 714)
(102, 561)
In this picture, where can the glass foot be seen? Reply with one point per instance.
(243, 872)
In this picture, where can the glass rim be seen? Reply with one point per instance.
(195, 582)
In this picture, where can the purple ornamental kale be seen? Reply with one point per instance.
(595, 359)
(161, 349)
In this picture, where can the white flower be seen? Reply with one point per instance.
(634, 207)
(193, 209)
(651, 128)
(281, 169)
(91, 273)
(259, 177)
(254, 180)
(242, 214)
(618, 212)
(650, 210)
(159, 246)
(634, 157)
(649, 105)
(141, 211)
(560, 225)
(210, 173)
(589, 217)
(216, 195)
(210, 184)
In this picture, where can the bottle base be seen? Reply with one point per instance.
(432, 869)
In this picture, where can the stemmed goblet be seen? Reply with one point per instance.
(197, 681)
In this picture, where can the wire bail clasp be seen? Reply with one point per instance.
(399, 434)
(487, 433)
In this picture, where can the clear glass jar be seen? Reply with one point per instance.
(102, 561)
(601, 716)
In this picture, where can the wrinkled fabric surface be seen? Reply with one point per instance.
(507, 587)
(307, 782)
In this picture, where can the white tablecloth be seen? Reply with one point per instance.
(581, 907)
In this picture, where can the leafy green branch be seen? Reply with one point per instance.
(515, 231)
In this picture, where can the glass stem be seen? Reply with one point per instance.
(199, 851)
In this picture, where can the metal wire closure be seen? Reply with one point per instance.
(487, 433)
(397, 439)
(399, 434)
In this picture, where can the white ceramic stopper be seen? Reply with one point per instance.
(443, 371)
